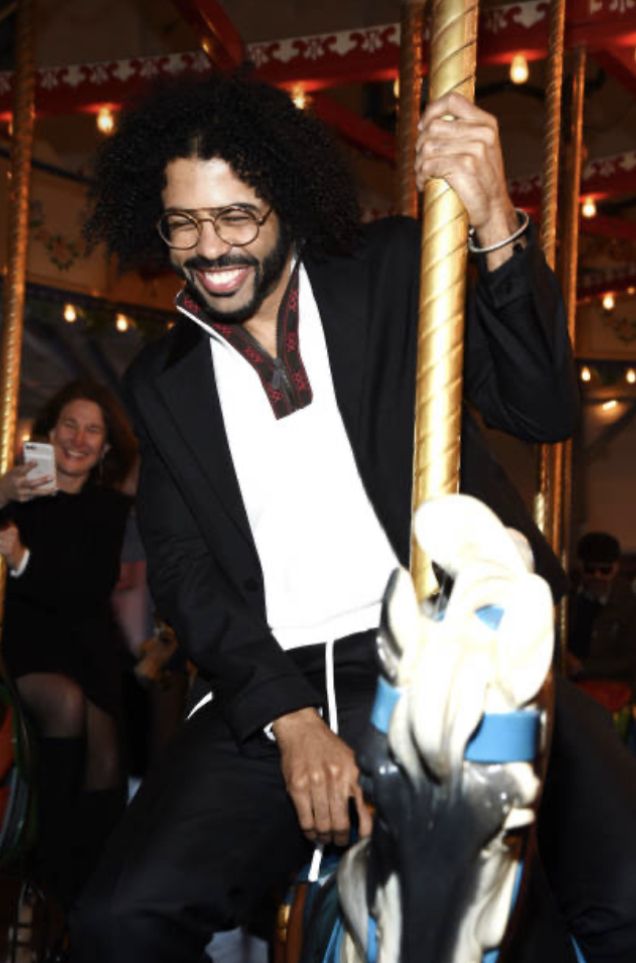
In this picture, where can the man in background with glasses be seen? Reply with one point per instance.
(603, 620)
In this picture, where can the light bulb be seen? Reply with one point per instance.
(121, 322)
(299, 97)
(70, 313)
(106, 120)
(609, 301)
(588, 207)
(519, 70)
(586, 374)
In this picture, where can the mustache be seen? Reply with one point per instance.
(199, 263)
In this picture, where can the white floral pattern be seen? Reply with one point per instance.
(98, 74)
(48, 80)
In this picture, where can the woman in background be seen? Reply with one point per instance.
(63, 553)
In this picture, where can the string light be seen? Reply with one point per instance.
(609, 405)
(121, 322)
(631, 290)
(586, 374)
(519, 70)
(299, 97)
(609, 301)
(70, 313)
(630, 376)
(106, 120)
(588, 207)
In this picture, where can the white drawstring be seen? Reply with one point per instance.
(330, 684)
(332, 709)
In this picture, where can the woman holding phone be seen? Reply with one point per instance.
(62, 538)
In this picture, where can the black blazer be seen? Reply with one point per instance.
(203, 567)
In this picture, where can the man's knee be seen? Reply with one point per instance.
(129, 922)
(108, 926)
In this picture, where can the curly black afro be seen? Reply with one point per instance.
(283, 153)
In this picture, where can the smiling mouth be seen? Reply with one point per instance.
(75, 454)
(223, 281)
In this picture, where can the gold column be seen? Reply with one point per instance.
(411, 43)
(549, 206)
(18, 224)
(562, 505)
(453, 53)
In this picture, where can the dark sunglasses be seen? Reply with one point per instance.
(603, 568)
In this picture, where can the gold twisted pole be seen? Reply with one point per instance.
(411, 58)
(569, 259)
(549, 207)
(563, 510)
(18, 231)
(453, 54)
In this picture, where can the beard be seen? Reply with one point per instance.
(267, 274)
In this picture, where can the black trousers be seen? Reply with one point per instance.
(212, 832)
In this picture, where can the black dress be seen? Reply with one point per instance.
(58, 616)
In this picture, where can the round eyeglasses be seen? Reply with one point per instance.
(237, 226)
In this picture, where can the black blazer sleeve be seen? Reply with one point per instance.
(252, 678)
(518, 366)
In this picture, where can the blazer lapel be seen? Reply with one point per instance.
(188, 389)
(341, 291)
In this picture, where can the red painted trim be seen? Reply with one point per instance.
(609, 227)
(216, 33)
(356, 130)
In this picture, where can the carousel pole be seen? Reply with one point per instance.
(410, 78)
(562, 502)
(18, 231)
(549, 206)
(453, 52)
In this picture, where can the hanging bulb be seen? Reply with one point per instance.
(106, 120)
(70, 313)
(588, 207)
(630, 376)
(609, 301)
(586, 374)
(121, 322)
(299, 97)
(519, 70)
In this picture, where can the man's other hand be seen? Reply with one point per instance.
(460, 143)
(321, 776)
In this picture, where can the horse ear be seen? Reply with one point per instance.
(455, 530)
(525, 640)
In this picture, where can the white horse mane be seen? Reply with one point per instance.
(449, 671)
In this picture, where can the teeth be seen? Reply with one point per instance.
(223, 277)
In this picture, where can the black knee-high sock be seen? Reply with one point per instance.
(59, 771)
(98, 812)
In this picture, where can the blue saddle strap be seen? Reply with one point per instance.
(500, 737)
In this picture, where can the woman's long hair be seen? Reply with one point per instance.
(120, 457)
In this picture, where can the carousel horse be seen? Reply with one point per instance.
(452, 757)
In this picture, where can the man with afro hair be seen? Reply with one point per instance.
(276, 428)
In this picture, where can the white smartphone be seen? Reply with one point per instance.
(42, 457)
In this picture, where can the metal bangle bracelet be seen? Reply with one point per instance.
(523, 227)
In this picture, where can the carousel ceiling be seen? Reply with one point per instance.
(341, 56)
